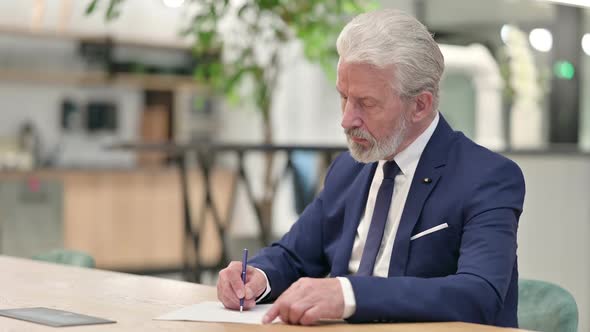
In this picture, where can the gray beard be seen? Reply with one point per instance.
(377, 150)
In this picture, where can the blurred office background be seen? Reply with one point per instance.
(75, 86)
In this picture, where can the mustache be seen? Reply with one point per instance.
(359, 133)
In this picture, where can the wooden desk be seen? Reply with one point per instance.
(133, 301)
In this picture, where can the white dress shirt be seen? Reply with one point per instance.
(407, 160)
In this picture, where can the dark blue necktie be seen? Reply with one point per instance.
(382, 204)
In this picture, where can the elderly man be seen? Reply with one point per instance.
(415, 223)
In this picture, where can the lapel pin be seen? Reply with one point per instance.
(427, 180)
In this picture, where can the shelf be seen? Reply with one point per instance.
(93, 78)
(97, 77)
(155, 81)
(32, 33)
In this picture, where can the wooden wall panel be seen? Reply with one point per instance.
(133, 220)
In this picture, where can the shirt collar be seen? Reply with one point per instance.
(407, 160)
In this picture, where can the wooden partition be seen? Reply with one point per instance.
(132, 220)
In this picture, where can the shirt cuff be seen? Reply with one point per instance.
(349, 300)
(267, 290)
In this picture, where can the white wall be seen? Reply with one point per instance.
(555, 225)
(405, 5)
(584, 95)
(456, 13)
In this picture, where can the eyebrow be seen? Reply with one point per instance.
(369, 98)
(364, 98)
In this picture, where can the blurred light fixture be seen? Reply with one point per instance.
(579, 3)
(173, 3)
(586, 43)
(541, 40)
(504, 32)
(564, 70)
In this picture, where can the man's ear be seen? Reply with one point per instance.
(423, 104)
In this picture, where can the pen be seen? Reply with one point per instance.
(244, 261)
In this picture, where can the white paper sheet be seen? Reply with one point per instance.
(216, 312)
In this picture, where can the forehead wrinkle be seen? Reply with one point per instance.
(368, 81)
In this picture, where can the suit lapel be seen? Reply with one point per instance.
(430, 166)
(355, 206)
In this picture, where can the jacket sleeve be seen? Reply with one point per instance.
(299, 253)
(487, 258)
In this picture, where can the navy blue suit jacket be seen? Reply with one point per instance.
(466, 272)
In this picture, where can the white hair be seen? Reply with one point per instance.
(393, 38)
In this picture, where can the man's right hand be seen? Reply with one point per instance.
(230, 287)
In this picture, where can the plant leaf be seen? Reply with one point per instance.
(91, 7)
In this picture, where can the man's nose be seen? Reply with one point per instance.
(351, 117)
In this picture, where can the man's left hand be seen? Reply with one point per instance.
(307, 301)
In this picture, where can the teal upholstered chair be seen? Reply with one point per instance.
(66, 257)
(543, 306)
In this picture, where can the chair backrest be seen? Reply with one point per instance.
(543, 306)
(66, 257)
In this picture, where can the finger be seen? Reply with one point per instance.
(310, 316)
(292, 291)
(231, 274)
(236, 277)
(297, 310)
(289, 297)
(249, 304)
(224, 289)
(249, 293)
(229, 298)
(237, 285)
(255, 286)
(230, 302)
(278, 309)
(250, 270)
(284, 309)
(219, 289)
(271, 314)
